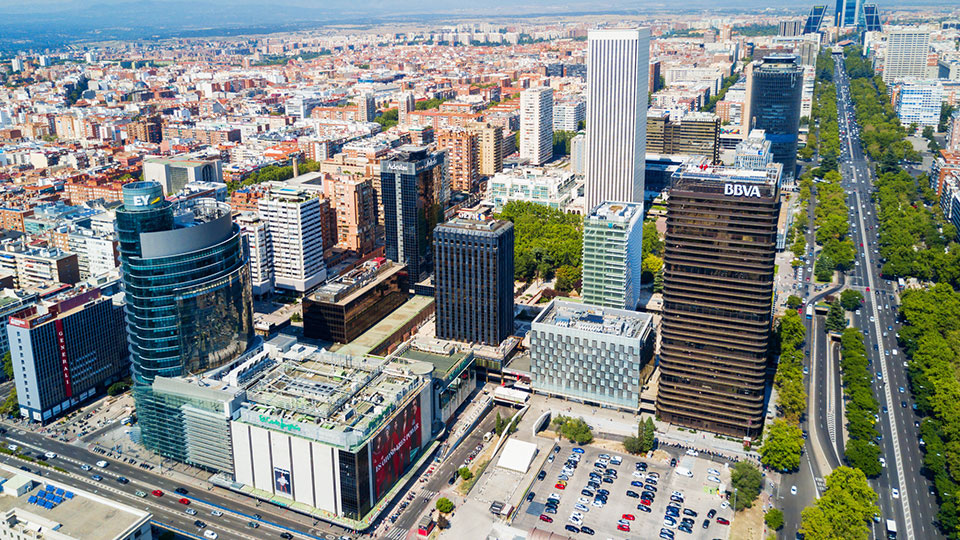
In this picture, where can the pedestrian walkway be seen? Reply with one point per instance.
(396, 533)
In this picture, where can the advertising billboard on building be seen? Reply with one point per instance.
(395, 447)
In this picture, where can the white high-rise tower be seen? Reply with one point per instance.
(536, 125)
(617, 67)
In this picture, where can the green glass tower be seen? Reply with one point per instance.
(189, 305)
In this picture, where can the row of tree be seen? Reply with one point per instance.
(783, 438)
(881, 134)
(860, 405)
(931, 339)
(844, 510)
(651, 265)
(832, 228)
(545, 239)
(643, 442)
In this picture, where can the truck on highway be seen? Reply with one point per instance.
(891, 529)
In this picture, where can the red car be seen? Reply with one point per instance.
(157, 493)
(628, 517)
(622, 527)
(546, 518)
(646, 502)
(184, 501)
(560, 486)
(723, 521)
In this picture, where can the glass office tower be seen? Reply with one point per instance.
(189, 305)
(776, 91)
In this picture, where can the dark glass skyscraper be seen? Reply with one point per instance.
(776, 88)
(474, 280)
(189, 306)
(717, 298)
(415, 191)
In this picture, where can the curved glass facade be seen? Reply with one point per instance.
(187, 283)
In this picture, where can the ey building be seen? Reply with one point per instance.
(612, 244)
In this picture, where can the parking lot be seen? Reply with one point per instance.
(700, 495)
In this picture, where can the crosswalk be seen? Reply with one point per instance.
(396, 533)
(427, 494)
(821, 485)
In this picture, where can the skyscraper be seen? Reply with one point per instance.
(617, 64)
(679, 132)
(612, 244)
(776, 92)
(406, 104)
(415, 189)
(717, 298)
(906, 56)
(189, 306)
(849, 13)
(814, 19)
(871, 18)
(536, 125)
(463, 165)
(474, 280)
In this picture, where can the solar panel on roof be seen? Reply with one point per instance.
(48, 487)
(59, 491)
(68, 494)
(32, 499)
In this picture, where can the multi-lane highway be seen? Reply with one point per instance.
(912, 505)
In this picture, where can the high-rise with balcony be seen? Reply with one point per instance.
(676, 132)
(612, 244)
(186, 280)
(536, 125)
(776, 94)
(717, 298)
(294, 223)
(462, 147)
(474, 280)
(617, 65)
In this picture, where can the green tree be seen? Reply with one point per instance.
(633, 445)
(844, 510)
(8, 365)
(774, 519)
(658, 281)
(118, 388)
(444, 505)
(649, 434)
(863, 455)
(851, 299)
(794, 302)
(782, 446)
(748, 481)
(576, 430)
(652, 243)
(561, 142)
(544, 239)
(568, 278)
(649, 267)
(836, 320)
(11, 405)
(464, 473)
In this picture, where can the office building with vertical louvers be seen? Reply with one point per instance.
(717, 298)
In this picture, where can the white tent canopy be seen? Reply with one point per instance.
(517, 455)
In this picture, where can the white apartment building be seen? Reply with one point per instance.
(293, 223)
(536, 125)
(568, 115)
(261, 252)
(617, 67)
(918, 102)
(555, 188)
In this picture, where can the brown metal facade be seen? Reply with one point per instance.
(717, 304)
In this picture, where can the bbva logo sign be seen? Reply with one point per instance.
(740, 190)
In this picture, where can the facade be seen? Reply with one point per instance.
(489, 148)
(612, 244)
(568, 115)
(65, 351)
(687, 133)
(906, 55)
(536, 125)
(790, 28)
(617, 64)
(175, 172)
(953, 132)
(356, 207)
(717, 298)
(592, 354)
(474, 280)
(754, 152)
(366, 107)
(849, 13)
(550, 187)
(40, 267)
(463, 165)
(578, 150)
(346, 307)
(415, 191)
(775, 101)
(332, 431)
(255, 231)
(294, 221)
(918, 102)
(871, 18)
(186, 276)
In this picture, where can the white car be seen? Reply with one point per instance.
(102, 464)
(210, 534)
(216, 513)
(883, 462)
(678, 494)
(692, 452)
(713, 479)
(793, 490)
(895, 493)
(583, 500)
(597, 502)
(581, 507)
(724, 504)
(12, 447)
(637, 474)
(50, 455)
(713, 472)
(85, 467)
